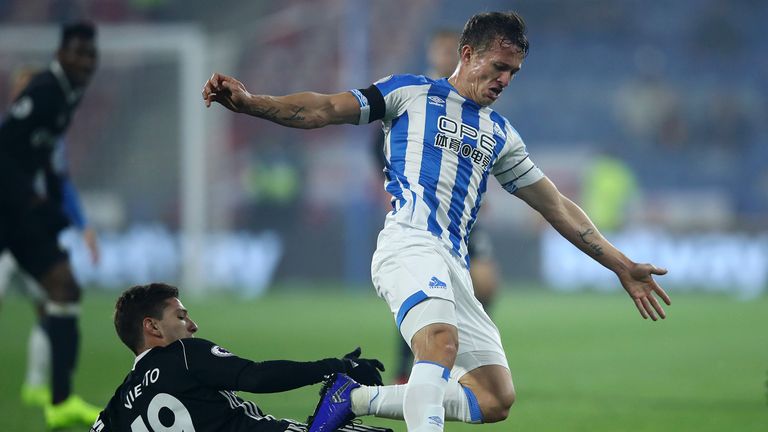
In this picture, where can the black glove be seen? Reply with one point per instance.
(364, 371)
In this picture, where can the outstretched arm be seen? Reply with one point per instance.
(305, 110)
(573, 224)
(220, 369)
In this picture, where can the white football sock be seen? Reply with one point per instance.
(38, 357)
(460, 403)
(423, 400)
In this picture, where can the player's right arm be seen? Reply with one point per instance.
(23, 128)
(306, 110)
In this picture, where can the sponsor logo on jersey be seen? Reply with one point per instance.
(220, 352)
(436, 100)
(436, 283)
(450, 138)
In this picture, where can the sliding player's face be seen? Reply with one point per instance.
(176, 323)
(489, 72)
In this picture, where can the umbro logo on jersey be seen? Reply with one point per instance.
(220, 352)
(436, 100)
(336, 397)
(498, 131)
(436, 283)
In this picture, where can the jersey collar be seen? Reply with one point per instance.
(444, 81)
(70, 93)
(139, 357)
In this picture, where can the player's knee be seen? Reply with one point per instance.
(60, 285)
(68, 293)
(496, 407)
(438, 343)
(444, 339)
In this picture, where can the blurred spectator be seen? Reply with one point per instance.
(648, 107)
(726, 122)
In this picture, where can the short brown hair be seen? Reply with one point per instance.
(483, 29)
(137, 303)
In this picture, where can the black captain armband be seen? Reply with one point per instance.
(371, 102)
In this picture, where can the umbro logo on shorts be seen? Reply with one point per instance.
(436, 283)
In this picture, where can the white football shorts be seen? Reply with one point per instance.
(411, 266)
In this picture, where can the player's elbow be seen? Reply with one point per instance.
(315, 119)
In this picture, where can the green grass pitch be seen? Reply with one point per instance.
(581, 362)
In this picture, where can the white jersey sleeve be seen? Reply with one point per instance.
(388, 98)
(514, 168)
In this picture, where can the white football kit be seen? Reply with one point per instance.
(440, 149)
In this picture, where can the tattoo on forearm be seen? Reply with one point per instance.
(295, 115)
(276, 115)
(269, 113)
(596, 249)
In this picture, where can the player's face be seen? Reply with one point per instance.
(176, 323)
(78, 58)
(489, 72)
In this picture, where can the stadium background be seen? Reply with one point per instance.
(667, 100)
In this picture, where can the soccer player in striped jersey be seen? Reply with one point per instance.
(442, 58)
(443, 142)
(182, 383)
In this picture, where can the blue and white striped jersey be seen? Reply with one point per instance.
(440, 148)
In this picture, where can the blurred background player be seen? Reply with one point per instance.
(38, 201)
(196, 378)
(442, 57)
(36, 387)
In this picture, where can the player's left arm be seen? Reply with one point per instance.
(306, 110)
(218, 368)
(572, 223)
(74, 211)
(61, 187)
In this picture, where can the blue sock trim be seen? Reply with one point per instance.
(446, 372)
(474, 408)
(408, 304)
